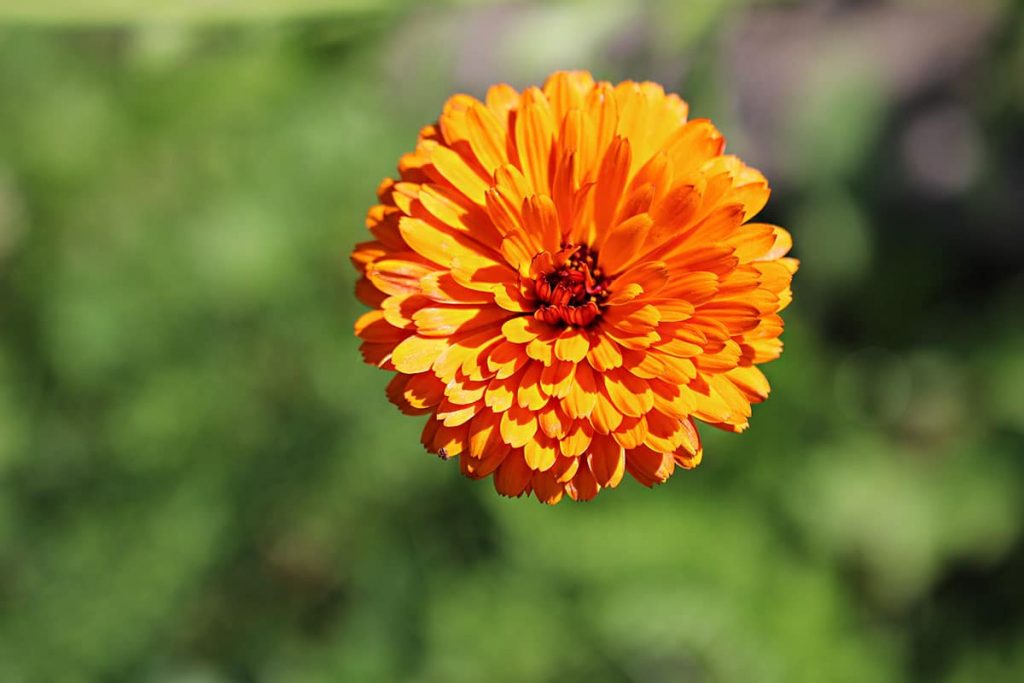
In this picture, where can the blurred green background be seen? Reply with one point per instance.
(200, 482)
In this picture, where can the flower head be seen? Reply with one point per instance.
(564, 279)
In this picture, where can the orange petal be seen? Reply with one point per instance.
(500, 393)
(443, 248)
(417, 354)
(547, 488)
(522, 329)
(611, 180)
(466, 352)
(631, 433)
(636, 317)
(484, 434)
(486, 137)
(607, 461)
(556, 380)
(445, 321)
(645, 365)
(565, 469)
(665, 433)
(624, 242)
(456, 171)
(398, 276)
(534, 135)
(452, 209)
(737, 316)
(423, 391)
(518, 425)
(727, 358)
(572, 345)
(462, 391)
(673, 213)
(553, 421)
(601, 120)
(501, 99)
(605, 418)
(575, 443)
(540, 452)
(581, 398)
(689, 455)
(752, 241)
(751, 382)
(442, 287)
(565, 91)
(506, 358)
(512, 476)
(450, 441)
(583, 485)
(693, 144)
(629, 393)
(604, 353)
(395, 392)
(694, 286)
(372, 327)
(541, 349)
(540, 219)
(479, 468)
(453, 415)
(531, 394)
(649, 467)
(783, 243)
(651, 276)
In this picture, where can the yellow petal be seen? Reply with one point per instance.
(605, 418)
(530, 394)
(572, 345)
(453, 415)
(484, 434)
(604, 353)
(631, 433)
(577, 440)
(506, 359)
(443, 248)
(518, 425)
(557, 378)
(553, 422)
(582, 395)
(453, 168)
(540, 452)
(417, 354)
(500, 393)
(630, 394)
(445, 321)
(522, 329)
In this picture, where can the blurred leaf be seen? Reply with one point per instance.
(125, 11)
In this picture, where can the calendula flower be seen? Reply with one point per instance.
(565, 279)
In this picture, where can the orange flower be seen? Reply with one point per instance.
(563, 279)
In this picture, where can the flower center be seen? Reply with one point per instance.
(572, 293)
